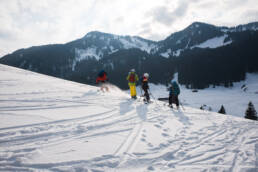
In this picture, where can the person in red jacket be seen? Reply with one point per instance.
(102, 79)
(145, 87)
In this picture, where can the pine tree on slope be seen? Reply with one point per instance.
(251, 112)
(222, 110)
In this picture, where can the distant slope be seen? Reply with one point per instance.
(48, 124)
(234, 99)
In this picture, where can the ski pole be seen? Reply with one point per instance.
(152, 96)
(181, 105)
(154, 99)
(141, 91)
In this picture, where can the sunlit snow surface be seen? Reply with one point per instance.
(214, 42)
(49, 124)
(235, 99)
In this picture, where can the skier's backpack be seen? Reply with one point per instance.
(132, 77)
(101, 73)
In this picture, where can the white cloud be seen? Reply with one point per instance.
(30, 22)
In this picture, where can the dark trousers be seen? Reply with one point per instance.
(173, 99)
(146, 94)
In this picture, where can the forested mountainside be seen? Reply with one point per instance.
(202, 54)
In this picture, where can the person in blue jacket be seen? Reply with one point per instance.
(174, 91)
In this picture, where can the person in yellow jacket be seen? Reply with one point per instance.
(132, 79)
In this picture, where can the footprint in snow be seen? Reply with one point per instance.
(168, 156)
(166, 129)
(150, 145)
(162, 122)
(150, 168)
(165, 135)
(181, 154)
(192, 138)
(95, 170)
(143, 139)
(171, 165)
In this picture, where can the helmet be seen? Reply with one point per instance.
(146, 75)
(172, 81)
(132, 70)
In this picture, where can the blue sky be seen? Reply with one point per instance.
(26, 23)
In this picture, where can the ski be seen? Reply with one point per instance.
(165, 99)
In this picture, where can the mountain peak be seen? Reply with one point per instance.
(200, 25)
(97, 34)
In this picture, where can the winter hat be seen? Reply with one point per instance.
(172, 81)
(146, 75)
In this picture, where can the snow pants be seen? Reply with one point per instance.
(146, 95)
(133, 91)
(173, 99)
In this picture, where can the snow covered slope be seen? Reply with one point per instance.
(235, 99)
(214, 42)
(49, 124)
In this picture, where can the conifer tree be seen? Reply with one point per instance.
(251, 112)
(231, 84)
(222, 110)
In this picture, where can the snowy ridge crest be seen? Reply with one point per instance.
(241, 28)
(200, 35)
(123, 42)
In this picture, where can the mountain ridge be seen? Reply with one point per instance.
(81, 59)
(249, 26)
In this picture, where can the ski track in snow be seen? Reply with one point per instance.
(50, 124)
